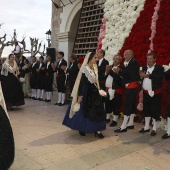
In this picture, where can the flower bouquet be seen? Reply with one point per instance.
(22, 80)
(102, 93)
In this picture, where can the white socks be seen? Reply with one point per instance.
(59, 97)
(131, 120)
(42, 94)
(115, 118)
(108, 116)
(124, 124)
(63, 98)
(38, 93)
(33, 93)
(168, 124)
(147, 121)
(154, 124)
(48, 94)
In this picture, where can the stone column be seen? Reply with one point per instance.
(55, 24)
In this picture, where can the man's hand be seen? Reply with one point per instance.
(116, 70)
(108, 68)
(143, 75)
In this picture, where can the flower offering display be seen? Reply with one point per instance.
(121, 16)
(142, 26)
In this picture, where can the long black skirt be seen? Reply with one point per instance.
(7, 149)
(12, 90)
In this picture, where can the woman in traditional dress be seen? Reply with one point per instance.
(11, 86)
(7, 150)
(91, 115)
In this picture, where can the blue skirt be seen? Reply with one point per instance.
(80, 123)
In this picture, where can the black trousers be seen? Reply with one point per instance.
(61, 86)
(71, 85)
(152, 105)
(130, 101)
(114, 104)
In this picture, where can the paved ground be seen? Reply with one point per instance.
(43, 143)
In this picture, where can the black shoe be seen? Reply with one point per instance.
(56, 103)
(82, 133)
(48, 100)
(165, 136)
(113, 123)
(33, 98)
(40, 99)
(107, 120)
(130, 127)
(119, 130)
(99, 135)
(61, 104)
(143, 130)
(153, 133)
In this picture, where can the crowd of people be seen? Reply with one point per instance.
(91, 108)
(96, 89)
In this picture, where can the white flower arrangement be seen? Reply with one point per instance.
(121, 16)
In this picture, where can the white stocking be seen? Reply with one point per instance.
(124, 124)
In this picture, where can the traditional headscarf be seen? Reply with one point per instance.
(76, 85)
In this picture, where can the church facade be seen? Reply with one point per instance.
(64, 23)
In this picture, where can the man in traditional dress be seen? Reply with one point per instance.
(167, 76)
(115, 90)
(101, 63)
(152, 76)
(61, 78)
(33, 77)
(40, 79)
(130, 77)
(72, 71)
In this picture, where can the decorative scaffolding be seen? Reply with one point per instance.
(89, 27)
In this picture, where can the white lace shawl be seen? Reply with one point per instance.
(6, 67)
(92, 75)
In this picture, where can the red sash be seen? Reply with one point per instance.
(132, 85)
(157, 91)
(120, 91)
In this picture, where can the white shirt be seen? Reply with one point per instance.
(147, 84)
(40, 65)
(48, 63)
(126, 62)
(71, 65)
(109, 79)
(33, 64)
(100, 61)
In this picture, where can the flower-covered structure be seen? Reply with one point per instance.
(142, 26)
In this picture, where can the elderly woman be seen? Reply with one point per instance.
(91, 115)
(11, 86)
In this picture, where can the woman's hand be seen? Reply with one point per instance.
(80, 99)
